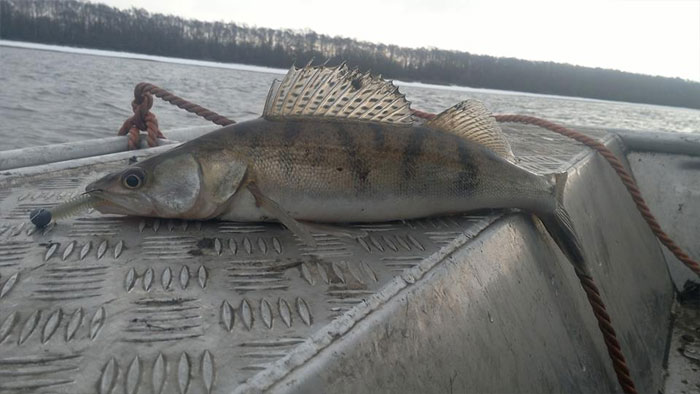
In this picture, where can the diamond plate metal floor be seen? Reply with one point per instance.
(112, 304)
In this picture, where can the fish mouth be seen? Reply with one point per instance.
(120, 205)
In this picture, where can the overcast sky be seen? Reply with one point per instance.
(658, 37)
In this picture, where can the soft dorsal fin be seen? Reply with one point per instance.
(472, 121)
(336, 92)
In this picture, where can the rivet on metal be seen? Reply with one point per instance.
(227, 315)
(364, 244)
(9, 284)
(368, 271)
(306, 274)
(19, 229)
(217, 246)
(322, 272)
(98, 320)
(130, 279)
(207, 370)
(402, 242)
(166, 278)
(75, 321)
(109, 376)
(183, 372)
(338, 272)
(51, 325)
(184, 277)
(133, 376)
(262, 245)
(285, 311)
(266, 313)
(85, 250)
(202, 276)
(68, 251)
(277, 245)
(246, 314)
(376, 243)
(51, 251)
(102, 249)
(118, 249)
(389, 243)
(29, 326)
(7, 325)
(148, 279)
(303, 310)
(158, 376)
(353, 271)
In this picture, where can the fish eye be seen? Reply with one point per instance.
(133, 178)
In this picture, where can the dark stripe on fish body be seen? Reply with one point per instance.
(289, 136)
(411, 153)
(357, 165)
(286, 162)
(254, 141)
(378, 136)
(318, 156)
(468, 177)
(291, 132)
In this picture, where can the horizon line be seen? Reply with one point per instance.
(281, 71)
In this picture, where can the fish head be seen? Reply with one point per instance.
(166, 186)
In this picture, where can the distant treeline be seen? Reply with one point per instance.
(90, 25)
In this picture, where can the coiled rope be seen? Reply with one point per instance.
(143, 119)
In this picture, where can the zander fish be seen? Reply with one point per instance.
(335, 146)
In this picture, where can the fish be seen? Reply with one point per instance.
(335, 145)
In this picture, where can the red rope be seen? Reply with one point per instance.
(211, 116)
(606, 328)
(144, 120)
(626, 178)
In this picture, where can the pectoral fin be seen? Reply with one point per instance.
(275, 211)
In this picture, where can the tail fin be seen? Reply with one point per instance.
(559, 226)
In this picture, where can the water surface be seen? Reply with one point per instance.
(51, 97)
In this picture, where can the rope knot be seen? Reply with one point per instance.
(142, 120)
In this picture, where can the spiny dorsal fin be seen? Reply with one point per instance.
(472, 121)
(336, 92)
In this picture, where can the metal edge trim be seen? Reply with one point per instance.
(327, 334)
